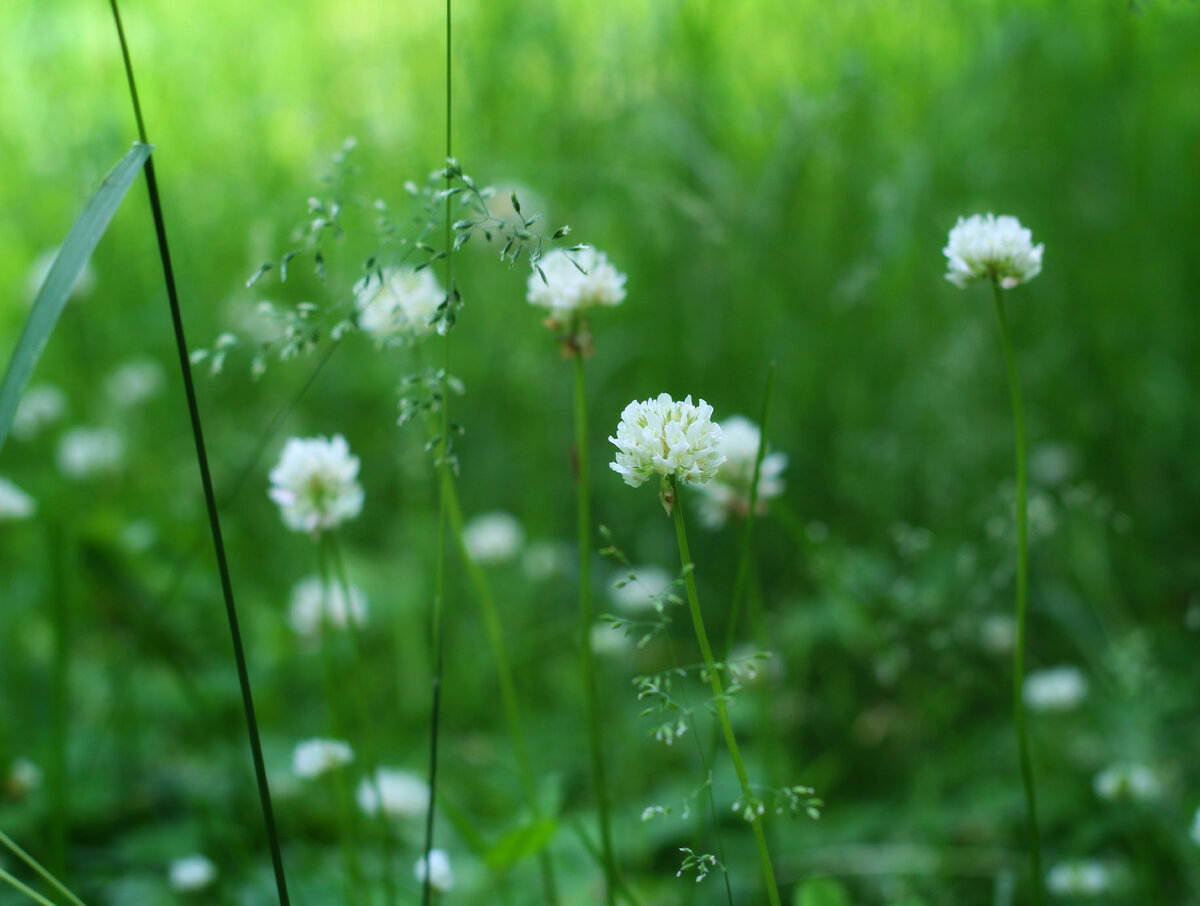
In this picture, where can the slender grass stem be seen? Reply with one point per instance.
(16, 850)
(24, 888)
(587, 618)
(719, 697)
(210, 499)
(62, 549)
(1035, 846)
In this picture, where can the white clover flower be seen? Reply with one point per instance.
(728, 494)
(23, 778)
(1131, 781)
(85, 283)
(315, 484)
(41, 406)
(609, 639)
(14, 503)
(494, 537)
(667, 438)
(314, 757)
(135, 382)
(638, 595)
(441, 877)
(87, 452)
(998, 633)
(312, 605)
(546, 559)
(400, 306)
(989, 247)
(1055, 690)
(1084, 877)
(568, 289)
(192, 873)
(404, 794)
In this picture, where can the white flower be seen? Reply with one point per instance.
(985, 247)
(87, 452)
(728, 494)
(311, 605)
(668, 438)
(401, 306)
(404, 794)
(135, 382)
(998, 633)
(1056, 689)
(314, 757)
(1080, 878)
(40, 407)
(568, 289)
(1132, 781)
(441, 877)
(638, 595)
(192, 872)
(607, 638)
(40, 270)
(23, 778)
(1195, 832)
(547, 559)
(315, 483)
(493, 537)
(14, 503)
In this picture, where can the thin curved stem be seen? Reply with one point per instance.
(1035, 846)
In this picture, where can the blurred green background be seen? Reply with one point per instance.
(777, 178)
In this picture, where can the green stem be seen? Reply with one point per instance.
(587, 618)
(46, 876)
(63, 548)
(1035, 848)
(24, 888)
(719, 697)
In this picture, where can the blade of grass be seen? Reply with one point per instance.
(52, 298)
(28, 891)
(33, 863)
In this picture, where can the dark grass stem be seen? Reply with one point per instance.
(719, 697)
(210, 499)
(587, 618)
(8, 843)
(1014, 386)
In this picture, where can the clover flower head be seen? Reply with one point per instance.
(89, 452)
(494, 537)
(984, 247)
(1055, 690)
(313, 604)
(441, 877)
(675, 440)
(1083, 877)
(315, 757)
(315, 483)
(1129, 781)
(191, 872)
(403, 793)
(728, 494)
(400, 306)
(135, 382)
(575, 281)
(24, 776)
(14, 503)
(40, 407)
(638, 595)
(609, 639)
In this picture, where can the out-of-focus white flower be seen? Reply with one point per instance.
(41, 406)
(985, 247)
(998, 633)
(192, 872)
(314, 757)
(568, 289)
(667, 438)
(85, 283)
(401, 306)
(14, 503)
(135, 382)
(312, 605)
(607, 638)
(1083, 877)
(547, 559)
(315, 484)
(441, 877)
(1057, 689)
(23, 778)
(1195, 832)
(638, 595)
(87, 452)
(728, 494)
(404, 794)
(493, 537)
(1130, 781)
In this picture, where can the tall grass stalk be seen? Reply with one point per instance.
(25, 889)
(61, 559)
(45, 875)
(210, 499)
(1014, 386)
(719, 697)
(587, 618)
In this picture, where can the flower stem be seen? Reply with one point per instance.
(714, 679)
(1035, 856)
(587, 617)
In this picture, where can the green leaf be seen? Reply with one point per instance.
(821, 892)
(520, 843)
(53, 296)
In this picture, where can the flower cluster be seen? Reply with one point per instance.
(441, 876)
(494, 537)
(1079, 878)
(1057, 689)
(315, 757)
(191, 873)
(313, 604)
(675, 440)
(401, 305)
(575, 281)
(14, 503)
(991, 248)
(403, 793)
(728, 494)
(1128, 781)
(315, 484)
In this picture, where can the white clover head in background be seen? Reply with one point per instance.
(1055, 690)
(568, 289)
(135, 382)
(191, 873)
(494, 537)
(24, 776)
(986, 247)
(314, 757)
(89, 452)
(401, 306)
(85, 282)
(1128, 781)
(312, 606)
(315, 484)
(441, 876)
(41, 406)
(404, 794)
(638, 595)
(728, 494)
(1082, 877)
(674, 440)
(15, 504)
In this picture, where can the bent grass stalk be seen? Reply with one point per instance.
(1014, 386)
(719, 695)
